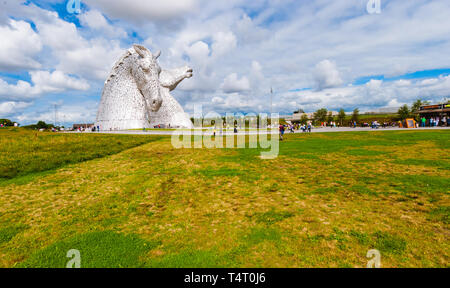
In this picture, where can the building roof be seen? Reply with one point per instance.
(438, 108)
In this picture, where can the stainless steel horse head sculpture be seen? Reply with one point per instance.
(136, 93)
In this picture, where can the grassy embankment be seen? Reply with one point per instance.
(324, 202)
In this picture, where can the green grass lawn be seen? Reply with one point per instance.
(135, 201)
(25, 152)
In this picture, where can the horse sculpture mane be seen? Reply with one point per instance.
(117, 65)
(136, 94)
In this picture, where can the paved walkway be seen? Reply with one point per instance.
(252, 132)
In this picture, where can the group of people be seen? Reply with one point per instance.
(374, 125)
(304, 127)
(434, 122)
(331, 124)
(88, 129)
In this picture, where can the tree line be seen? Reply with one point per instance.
(323, 115)
(404, 112)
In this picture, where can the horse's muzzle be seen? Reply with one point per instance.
(153, 102)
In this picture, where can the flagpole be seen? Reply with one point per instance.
(271, 95)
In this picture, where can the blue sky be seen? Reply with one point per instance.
(314, 54)
(426, 74)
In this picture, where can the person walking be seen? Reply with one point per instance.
(281, 128)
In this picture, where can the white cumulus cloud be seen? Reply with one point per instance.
(327, 75)
(43, 82)
(56, 81)
(19, 45)
(95, 20)
(11, 108)
(232, 84)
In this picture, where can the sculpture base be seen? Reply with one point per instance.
(115, 125)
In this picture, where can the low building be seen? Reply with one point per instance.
(82, 126)
(385, 110)
(297, 116)
(439, 112)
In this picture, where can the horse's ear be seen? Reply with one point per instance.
(157, 54)
(141, 50)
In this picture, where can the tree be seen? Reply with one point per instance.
(321, 115)
(6, 122)
(355, 115)
(416, 107)
(341, 116)
(304, 119)
(41, 125)
(404, 112)
(330, 117)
